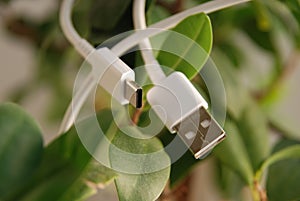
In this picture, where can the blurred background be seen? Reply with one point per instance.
(256, 48)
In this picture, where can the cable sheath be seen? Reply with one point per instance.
(84, 48)
(152, 66)
(65, 17)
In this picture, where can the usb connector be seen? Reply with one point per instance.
(200, 132)
(184, 111)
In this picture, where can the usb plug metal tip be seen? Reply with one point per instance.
(200, 132)
(134, 93)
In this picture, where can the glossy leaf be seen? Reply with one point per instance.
(192, 32)
(287, 153)
(233, 153)
(21, 148)
(283, 176)
(145, 186)
(67, 172)
(95, 176)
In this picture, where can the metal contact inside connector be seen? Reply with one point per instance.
(200, 132)
(134, 93)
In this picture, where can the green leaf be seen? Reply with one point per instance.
(63, 162)
(294, 6)
(229, 182)
(253, 128)
(67, 172)
(263, 15)
(21, 148)
(233, 153)
(156, 13)
(81, 15)
(287, 13)
(104, 15)
(283, 113)
(233, 53)
(283, 177)
(95, 176)
(198, 30)
(251, 121)
(237, 96)
(181, 167)
(146, 187)
(137, 155)
(263, 39)
(282, 154)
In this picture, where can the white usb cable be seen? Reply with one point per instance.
(139, 20)
(80, 44)
(176, 101)
(129, 90)
(117, 78)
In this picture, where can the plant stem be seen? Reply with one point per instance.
(261, 191)
(136, 115)
(258, 192)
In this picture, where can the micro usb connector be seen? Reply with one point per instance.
(134, 93)
(184, 111)
(117, 78)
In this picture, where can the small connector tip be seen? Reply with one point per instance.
(200, 132)
(134, 94)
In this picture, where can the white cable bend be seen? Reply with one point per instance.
(133, 40)
(65, 16)
(170, 22)
(152, 66)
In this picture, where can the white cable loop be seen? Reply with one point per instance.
(125, 44)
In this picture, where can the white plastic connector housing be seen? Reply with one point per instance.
(115, 74)
(184, 111)
(175, 98)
